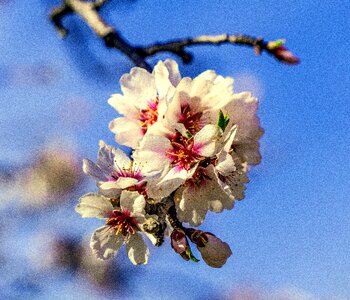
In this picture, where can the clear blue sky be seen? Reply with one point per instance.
(293, 228)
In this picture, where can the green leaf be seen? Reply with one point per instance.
(223, 120)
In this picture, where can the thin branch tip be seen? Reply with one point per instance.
(89, 12)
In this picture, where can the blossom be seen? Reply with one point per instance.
(198, 102)
(214, 186)
(123, 225)
(203, 111)
(177, 156)
(114, 171)
(143, 102)
(192, 141)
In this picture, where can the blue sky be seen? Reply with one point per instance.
(293, 227)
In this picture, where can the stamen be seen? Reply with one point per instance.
(123, 222)
(183, 153)
(192, 121)
(149, 116)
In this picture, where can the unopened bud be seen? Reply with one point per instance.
(214, 251)
(281, 53)
(180, 244)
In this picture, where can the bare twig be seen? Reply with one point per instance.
(89, 12)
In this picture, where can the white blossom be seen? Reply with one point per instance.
(143, 102)
(123, 225)
(114, 171)
(192, 141)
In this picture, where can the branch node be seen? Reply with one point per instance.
(98, 4)
(56, 18)
(186, 57)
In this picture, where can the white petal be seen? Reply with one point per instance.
(174, 74)
(121, 183)
(105, 157)
(169, 183)
(94, 206)
(207, 140)
(125, 106)
(229, 137)
(121, 160)
(208, 75)
(249, 152)
(233, 174)
(104, 243)
(201, 86)
(127, 132)
(197, 200)
(110, 193)
(133, 202)
(139, 86)
(173, 110)
(225, 164)
(164, 86)
(152, 153)
(93, 170)
(220, 94)
(190, 208)
(137, 249)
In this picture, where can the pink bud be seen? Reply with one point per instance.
(215, 252)
(284, 55)
(180, 244)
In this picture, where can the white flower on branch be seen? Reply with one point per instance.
(143, 102)
(193, 141)
(123, 225)
(114, 171)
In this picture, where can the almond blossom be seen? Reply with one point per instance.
(143, 102)
(177, 156)
(215, 185)
(192, 141)
(123, 225)
(114, 171)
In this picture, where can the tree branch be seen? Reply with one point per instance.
(89, 12)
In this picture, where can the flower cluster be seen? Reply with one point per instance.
(192, 142)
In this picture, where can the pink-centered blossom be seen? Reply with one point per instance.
(114, 171)
(123, 225)
(143, 102)
(177, 156)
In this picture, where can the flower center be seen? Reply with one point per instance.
(149, 116)
(134, 171)
(122, 222)
(191, 121)
(183, 152)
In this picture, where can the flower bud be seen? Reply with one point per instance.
(281, 53)
(180, 244)
(214, 251)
